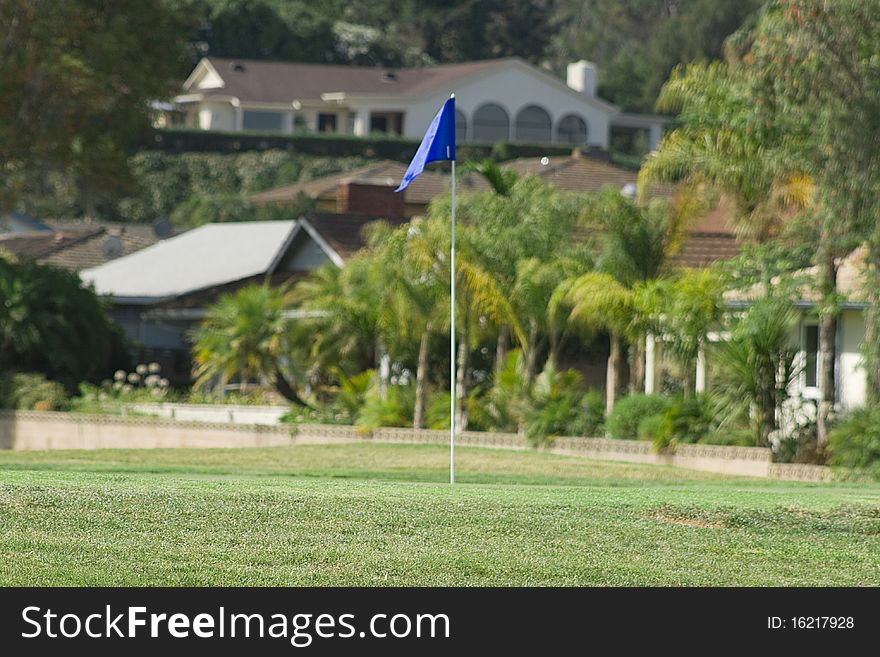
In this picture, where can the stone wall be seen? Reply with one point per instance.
(31, 430)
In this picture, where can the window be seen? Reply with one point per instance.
(256, 120)
(811, 356)
(571, 129)
(460, 127)
(388, 122)
(533, 124)
(326, 123)
(378, 123)
(491, 123)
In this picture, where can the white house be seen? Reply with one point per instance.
(496, 100)
(850, 378)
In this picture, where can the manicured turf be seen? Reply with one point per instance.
(381, 515)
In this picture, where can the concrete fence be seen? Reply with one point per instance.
(231, 413)
(33, 430)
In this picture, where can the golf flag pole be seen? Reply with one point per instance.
(452, 379)
(439, 144)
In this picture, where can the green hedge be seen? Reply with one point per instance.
(389, 147)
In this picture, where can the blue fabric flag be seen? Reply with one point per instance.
(437, 144)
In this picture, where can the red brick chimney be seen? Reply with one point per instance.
(374, 198)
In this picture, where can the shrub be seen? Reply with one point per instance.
(561, 407)
(52, 323)
(687, 420)
(396, 410)
(623, 422)
(31, 392)
(650, 426)
(855, 441)
(729, 437)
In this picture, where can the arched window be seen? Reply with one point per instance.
(460, 127)
(533, 124)
(571, 129)
(491, 123)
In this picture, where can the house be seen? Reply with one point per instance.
(496, 100)
(160, 293)
(850, 378)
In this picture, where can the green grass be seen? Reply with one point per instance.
(368, 514)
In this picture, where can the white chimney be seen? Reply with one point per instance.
(581, 76)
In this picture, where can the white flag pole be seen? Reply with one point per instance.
(452, 338)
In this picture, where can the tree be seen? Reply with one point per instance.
(634, 244)
(637, 43)
(51, 323)
(76, 80)
(816, 62)
(480, 300)
(683, 309)
(413, 302)
(758, 366)
(791, 120)
(247, 335)
(601, 302)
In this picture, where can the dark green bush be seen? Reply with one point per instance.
(560, 406)
(687, 420)
(31, 392)
(623, 422)
(391, 147)
(650, 426)
(855, 441)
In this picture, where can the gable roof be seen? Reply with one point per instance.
(260, 81)
(281, 82)
(207, 256)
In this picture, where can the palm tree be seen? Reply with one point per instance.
(758, 366)
(635, 242)
(341, 315)
(601, 302)
(479, 296)
(248, 335)
(683, 308)
(413, 301)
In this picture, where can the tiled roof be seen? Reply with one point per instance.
(419, 192)
(283, 82)
(344, 232)
(702, 249)
(40, 244)
(86, 253)
(573, 174)
(570, 174)
(77, 246)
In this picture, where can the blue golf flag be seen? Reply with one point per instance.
(437, 144)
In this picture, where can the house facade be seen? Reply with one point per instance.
(496, 100)
(160, 293)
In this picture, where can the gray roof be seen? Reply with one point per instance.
(207, 256)
(266, 81)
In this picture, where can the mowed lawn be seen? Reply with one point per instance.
(368, 514)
